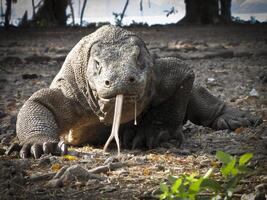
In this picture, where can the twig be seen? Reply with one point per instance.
(35, 177)
(86, 190)
(106, 168)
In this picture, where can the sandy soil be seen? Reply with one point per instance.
(230, 61)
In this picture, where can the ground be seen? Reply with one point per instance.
(231, 61)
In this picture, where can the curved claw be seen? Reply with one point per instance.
(25, 151)
(36, 150)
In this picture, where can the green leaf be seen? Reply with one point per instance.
(234, 171)
(227, 169)
(164, 187)
(195, 187)
(244, 169)
(211, 184)
(245, 158)
(176, 185)
(191, 177)
(163, 196)
(223, 157)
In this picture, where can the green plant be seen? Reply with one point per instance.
(233, 169)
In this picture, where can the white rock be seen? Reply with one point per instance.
(253, 93)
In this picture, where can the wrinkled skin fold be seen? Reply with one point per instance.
(109, 67)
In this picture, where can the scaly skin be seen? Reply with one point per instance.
(78, 106)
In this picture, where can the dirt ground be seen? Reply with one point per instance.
(231, 61)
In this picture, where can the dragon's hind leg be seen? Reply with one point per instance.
(207, 110)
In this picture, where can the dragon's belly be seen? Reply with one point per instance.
(86, 131)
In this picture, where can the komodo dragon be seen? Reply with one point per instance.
(109, 66)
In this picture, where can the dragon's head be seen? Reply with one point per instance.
(120, 64)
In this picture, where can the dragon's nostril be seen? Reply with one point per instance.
(132, 79)
(107, 83)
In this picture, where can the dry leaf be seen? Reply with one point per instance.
(56, 167)
(70, 157)
(146, 172)
(239, 130)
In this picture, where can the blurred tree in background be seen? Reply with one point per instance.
(53, 12)
(207, 11)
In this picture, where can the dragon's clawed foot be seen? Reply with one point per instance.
(233, 119)
(150, 138)
(35, 150)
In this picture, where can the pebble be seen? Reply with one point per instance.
(108, 188)
(253, 93)
(55, 183)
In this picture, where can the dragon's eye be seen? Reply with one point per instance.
(97, 67)
(140, 61)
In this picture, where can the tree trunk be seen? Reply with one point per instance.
(84, 5)
(52, 13)
(72, 12)
(8, 13)
(33, 9)
(226, 10)
(206, 11)
(1, 9)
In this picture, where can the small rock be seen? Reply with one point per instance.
(211, 81)
(55, 183)
(29, 76)
(253, 93)
(108, 188)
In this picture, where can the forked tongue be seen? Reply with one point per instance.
(116, 123)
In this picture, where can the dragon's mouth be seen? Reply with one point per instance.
(126, 98)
